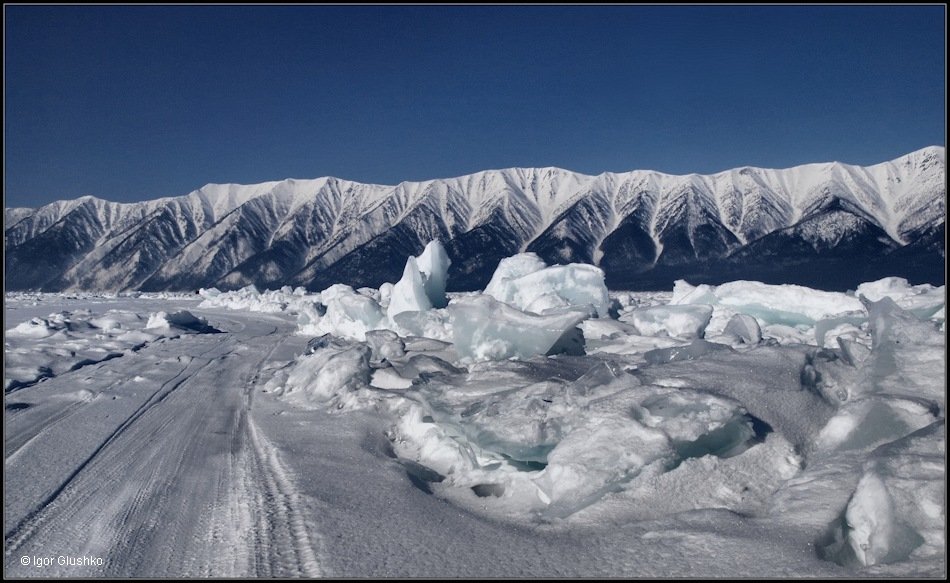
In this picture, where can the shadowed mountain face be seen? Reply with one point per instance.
(827, 226)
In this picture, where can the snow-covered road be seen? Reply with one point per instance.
(152, 463)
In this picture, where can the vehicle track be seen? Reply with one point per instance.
(184, 486)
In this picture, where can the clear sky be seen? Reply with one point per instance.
(131, 103)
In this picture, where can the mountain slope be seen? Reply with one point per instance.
(644, 228)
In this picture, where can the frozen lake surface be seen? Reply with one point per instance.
(542, 429)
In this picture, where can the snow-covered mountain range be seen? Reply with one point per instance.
(827, 225)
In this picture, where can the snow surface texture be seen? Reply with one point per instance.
(735, 430)
(642, 228)
(70, 340)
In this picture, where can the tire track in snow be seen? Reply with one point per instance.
(70, 503)
(15, 537)
(164, 528)
(19, 440)
(185, 486)
(284, 506)
(15, 442)
(275, 517)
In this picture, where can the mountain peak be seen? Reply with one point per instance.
(929, 156)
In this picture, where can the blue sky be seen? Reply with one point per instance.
(132, 103)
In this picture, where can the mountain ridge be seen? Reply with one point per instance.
(633, 224)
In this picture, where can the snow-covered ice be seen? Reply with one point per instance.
(434, 265)
(525, 282)
(676, 321)
(486, 329)
(341, 311)
(543, 428)
(779, 304)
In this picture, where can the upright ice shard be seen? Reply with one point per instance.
(409, 293)
(434, 264)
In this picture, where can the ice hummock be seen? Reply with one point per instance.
(423, 282)
(536, 316)
(527, 283)
(182, 322)
(685, 322)
(331, 375)
(922, 300)
(434, 265)
(744, 328)
(250, 298)
(776, 304)
(341, 311)
(486, 329)
(409, 293)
